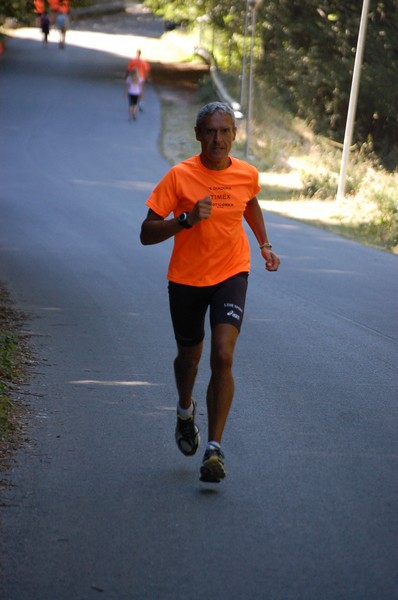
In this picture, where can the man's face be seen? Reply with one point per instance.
(216, 134)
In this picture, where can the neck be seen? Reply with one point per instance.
(215, 165)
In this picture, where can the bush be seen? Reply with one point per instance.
(319, 184)
(380, 190)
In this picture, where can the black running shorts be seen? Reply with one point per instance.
(133, 99)
(189, 304)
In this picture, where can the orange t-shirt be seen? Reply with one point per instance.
(40, 7)
(141, 65)
(216, 248)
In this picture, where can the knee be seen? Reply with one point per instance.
(187, 360)
(185, 363)
(221, 358)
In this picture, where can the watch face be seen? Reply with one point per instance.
(183, 220)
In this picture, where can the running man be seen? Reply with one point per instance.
(208, 195)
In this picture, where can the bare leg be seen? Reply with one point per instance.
(185, 371)
(221, 387)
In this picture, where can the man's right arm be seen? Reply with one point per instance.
(156, 229)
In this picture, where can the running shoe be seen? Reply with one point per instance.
(213, 468)
(187, 433)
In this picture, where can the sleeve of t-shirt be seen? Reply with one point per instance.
(256, 190)
(256, 184)
(163, 200)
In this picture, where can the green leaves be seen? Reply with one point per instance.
(309, 51)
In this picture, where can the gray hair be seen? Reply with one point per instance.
(211, 108)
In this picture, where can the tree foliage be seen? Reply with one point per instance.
(22, 10)
(309, 54)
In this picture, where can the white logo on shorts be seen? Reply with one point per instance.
(233, 314)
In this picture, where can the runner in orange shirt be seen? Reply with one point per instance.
(209, 195)
(40, 9)
(143, 68)
(54, 9)
(64, 6)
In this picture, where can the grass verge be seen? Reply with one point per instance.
(15, 357)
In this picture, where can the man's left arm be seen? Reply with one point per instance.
(255, 219)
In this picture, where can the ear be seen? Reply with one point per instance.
(197, 134)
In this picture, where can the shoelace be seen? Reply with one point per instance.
(214, 452)
(186, 426)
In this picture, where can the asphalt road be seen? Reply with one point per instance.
(101, 504)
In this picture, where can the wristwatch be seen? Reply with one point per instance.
(183, 220)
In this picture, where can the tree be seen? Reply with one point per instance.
(309, 52)
(22, 10)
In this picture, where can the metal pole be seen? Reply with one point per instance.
(250, 92)
(244, 60)
(353, 101)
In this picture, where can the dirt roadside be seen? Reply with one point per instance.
(16, 361)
